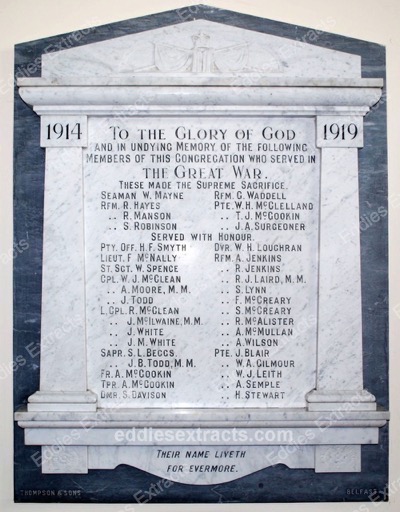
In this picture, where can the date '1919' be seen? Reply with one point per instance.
(336, 131)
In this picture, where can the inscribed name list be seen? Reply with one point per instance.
(201, 261)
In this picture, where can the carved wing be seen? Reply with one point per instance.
(169, 58)
(232, 58)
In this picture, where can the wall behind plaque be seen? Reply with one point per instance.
(24, 20)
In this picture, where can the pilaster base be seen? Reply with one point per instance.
(62, 401)
(331, 400)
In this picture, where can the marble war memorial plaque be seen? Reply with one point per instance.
(203, 304)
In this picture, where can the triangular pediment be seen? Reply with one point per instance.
(201, 47)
